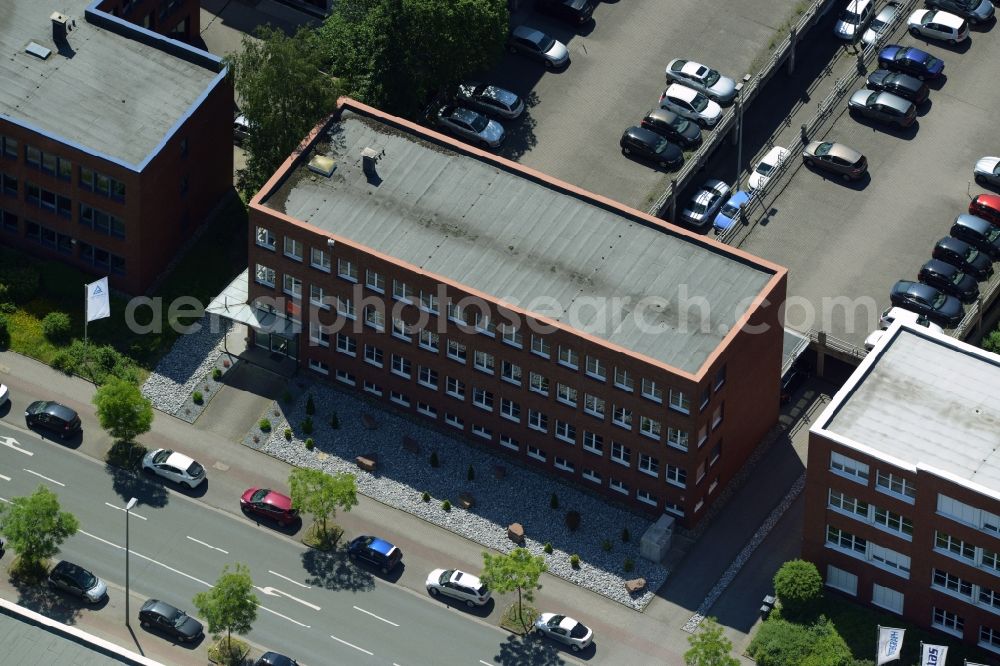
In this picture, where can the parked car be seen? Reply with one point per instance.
(938, 24)
(881, 23)
(704, 79)
(174, 466)
(836, 158)
(171, 621)
(458, 585)
(706, 202)
(470, 126)
(892, 314)
(669, 125)
(883, 107)
(987, 171)
(373, 550)
(4, 394)
(950, 280)
(76, 580)
(979, 233)
(490, 99)
(960, 254)
(275, 659)
(729, 214)
(649, 145)
(52, 416)
(986, 206)
(241, 129)
(576, 12)
(539, 46)
(899, 84)
(854, 19)
(269, 504)
(923, 299)
(691, 104)
(976, 11)
(910, 60)
(762, 173)
(566, 630)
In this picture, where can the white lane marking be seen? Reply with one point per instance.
(5, 478)
(5, 500)
(359, 649)
(42, 476)
(104, 541)
(131, 513)
(274, 592)
(207, 545)
(293, 582)
(306, 626)
(375, 616)
(485, 663)
(12, 443)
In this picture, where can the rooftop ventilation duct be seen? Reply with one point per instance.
(60, 27)
(369, 158)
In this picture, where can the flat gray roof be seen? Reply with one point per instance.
(109, 95)
(524, 241)
(924, 399)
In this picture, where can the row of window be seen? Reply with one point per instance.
(962, 550)
(891, 484)
(94, 218)
(883, 518)
(62, 168)
(866, 550)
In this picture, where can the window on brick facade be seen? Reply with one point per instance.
(596, 368)
(566, 431)
(593, 405)
(650, 427)
(293, 248)
(568, 357)
(566, 394)
(538, 383)
(651, 390)
(483, 361)
(429, 340)
(428, 377)
(621, 416)
(375, 281)
(347, 270)
(624, 380)
(677, 438)
(401, 366)
(265, 238)
(510, 372)
(373, 355)
(621, 454)
(540, 346)
(347, 345)
(510, 409)
(512, 335)
(319, 259)
(538, 420)
(593, 442)
(680, 401)
(456, 351)
(482, 398)
(649, 464)
(676, 476)
(455, 388)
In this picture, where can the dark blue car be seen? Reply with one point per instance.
(373, 550)
(910, 60)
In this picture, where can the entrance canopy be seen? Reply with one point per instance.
(232, 304)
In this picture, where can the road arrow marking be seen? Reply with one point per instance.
(207, 545)
(359, 649)
(12, 443)
(42, 476)
(274, 592)
(375, 616)
(131, 513)
(293, 582)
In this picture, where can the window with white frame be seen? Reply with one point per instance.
(483, 361)
(512, 336)
(593, 442)
(482, 431)
(293, 249)
(566, 394)
(699, 473)
(346, 377)
(374, 280)
(675, 509)
(618, 486)
(456, 351)
(510, 372)
(680, 401)
(720, 378)
(538, 421)
(887, 598)
(593, 405)
(989, 638)
(592, 475)
(345, 307)
(319, 259)
(402, 291)
(318, 334)
(988, 597)
(718, 415)
(319, 366)
(844, 503)
(347, 345)
(482, 398)
(621, 454)
(895, 484)
(889, 559)
(540, 346)
(510, 410)
(401, 366)
(509, 442)
(373, 355)
(400, 329)
(944, 580)
(948, 622)
(651, 390)
(265, 238)
(456, 313)
(989, 559)
(454, 421)
(841, 580)
(848, 467)
(565, 431)
(428, 301)
(949, 545)
(429, 340)
(374, 317)
(563, 464)
(292, 285)
(650, 428)
(317, 297)
(372, 388)
(596, 368)
(677, 438)
(536, 453)
(645, 497)
(649, 464)
(483, 324)
(538, 383)
(427, 410)
(347, 270)
(455, 388)
(624, 380)
(621, 416)
(676, 476)
(399, 398)
(427, 376)
(264, 275)
(893, 522)
(568, 357)
(844, 540)
(702, 435)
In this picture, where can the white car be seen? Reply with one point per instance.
(881, 23)
(705, 204)
(703, 79)
(174, 466)
(762, 173)
(690, 104)
(4, 394)
(937, 24)
(566, 630)
(458, 585)
(987, 171)
(854, 19)
(891, 314)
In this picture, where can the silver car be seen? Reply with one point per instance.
(566, 630)
(536, 44)
(78, 581)
(472, 126)
(491, 100)
(705, 204)
(174, 466)
(854, 19)
(881, 23)
(690, 104)
(458, 585)
(704, 79)
(987, 171)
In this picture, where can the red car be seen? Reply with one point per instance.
(986, 206)
(269, 504)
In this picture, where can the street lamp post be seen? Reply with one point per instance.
(128, 507)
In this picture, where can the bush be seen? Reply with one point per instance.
(426, 496)
(628, 565)
(197, 397)
(309, 443)
(334, 421)
(64, 362)
(547, 547)
(310, 406)
(625, 535)
(471, 474)
(216, 374)
(57, 327)
(574, 561)
(434, 459)
(606, 545)
(554, 501)
(991, 342)
(265, 425)
(799, 587)
(288, 434)
(572, 520)
(307, 425)
(779, 642)
(446, 505)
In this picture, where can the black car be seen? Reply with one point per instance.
(649, 145)
(76, 580)
(960, 254)
(950, 280)
(53, 416)
(275, 659)
(171, 621)
(975, 11)
(376, 551)
(937, 306)
(899, 84)
(576, 12)
(978, 233)
(669, 125)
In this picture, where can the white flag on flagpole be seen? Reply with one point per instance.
(890, 645)
(98, 304)
(933, 655)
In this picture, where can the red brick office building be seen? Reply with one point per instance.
(114, 140)
(179, 19)
(902, 495)
(537, 319)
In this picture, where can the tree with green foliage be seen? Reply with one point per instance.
(122, 410)
(991, 342)
(283, 93)
(35, 527)
(57, 327)
(519, 570)
(782, 643)
(799, 586)
(709, 646)
(320, 494)
(230, 605)
(395, 54)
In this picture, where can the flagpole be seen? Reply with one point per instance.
(86, 319)
(878, 636)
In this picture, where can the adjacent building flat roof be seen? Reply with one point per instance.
(923, 399)
(109, 94)
(524, 240)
